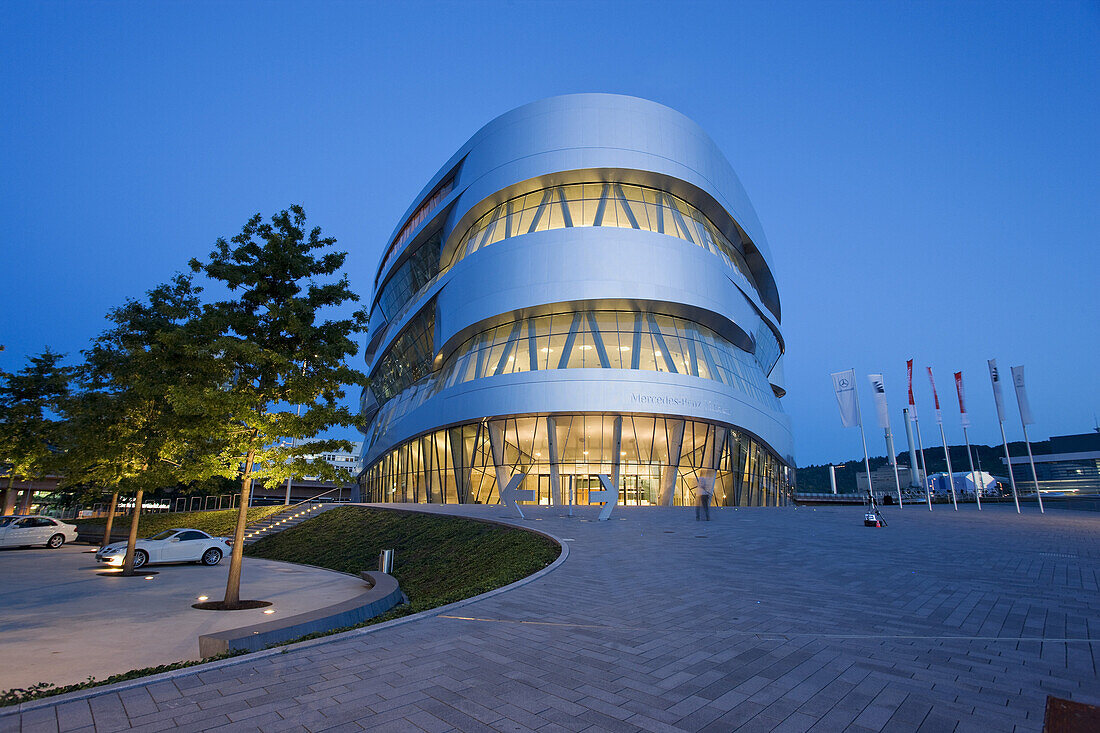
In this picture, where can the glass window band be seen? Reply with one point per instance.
(660, 461)
(620, 205)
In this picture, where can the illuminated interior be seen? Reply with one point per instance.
(602, 205)
(659, 461)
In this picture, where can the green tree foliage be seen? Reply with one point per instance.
(30, 430)
(282, 352)
(138, 422)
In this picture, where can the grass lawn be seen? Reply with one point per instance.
(438, 560)
(217, 523)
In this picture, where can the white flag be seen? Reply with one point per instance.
(998, 396)
(844, 384)
(878, 391)
(1021, 395)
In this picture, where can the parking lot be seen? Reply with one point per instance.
(61, 621)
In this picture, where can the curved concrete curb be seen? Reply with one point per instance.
(254, 656)
(384, 594)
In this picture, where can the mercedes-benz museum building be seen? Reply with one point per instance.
(582, 289)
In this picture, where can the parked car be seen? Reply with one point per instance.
(22, 531)
(171, 545)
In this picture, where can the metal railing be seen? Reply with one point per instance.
(293, 511)
(179, 504)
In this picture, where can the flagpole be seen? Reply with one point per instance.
(923, 465)
(965, 420)
(894, 460)
(863, 437)
(973, 479)
(844, 385)
(1034, 476)
(950, 473)
(1008, 459)
(998, 398)
(1025, 418)
(943, 439)
(866, 462)
(914, 467)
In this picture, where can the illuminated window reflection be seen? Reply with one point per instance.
(608, 340)
(660, 462)
(602, 205)
(576, 340)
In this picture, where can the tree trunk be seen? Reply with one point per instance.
(110, 520)
(25, 502)
(233, 585)
(128, 563)
(9, 497)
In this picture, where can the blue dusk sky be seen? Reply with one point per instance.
(927, 174)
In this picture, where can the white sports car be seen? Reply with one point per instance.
(36, 530)
(171, 545)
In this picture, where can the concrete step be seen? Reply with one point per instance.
(291, 517)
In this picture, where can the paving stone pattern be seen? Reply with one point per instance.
(763, 619)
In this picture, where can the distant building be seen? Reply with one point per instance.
(966, 484)
(883, 480)
(310, 486)
(26, 497)
(1071, 467)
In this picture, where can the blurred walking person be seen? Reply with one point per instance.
(705, 488)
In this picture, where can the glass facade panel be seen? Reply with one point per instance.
(629, 340)
(768, 349)
(602, 204)
(589, 204)
(408, 359)
(568, 341)
(659, 461)
(411, 277)
(422, 212)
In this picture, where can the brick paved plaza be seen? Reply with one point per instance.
(784, 619)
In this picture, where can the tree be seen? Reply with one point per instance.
(139, 423)
(29, 428)
(281, 354)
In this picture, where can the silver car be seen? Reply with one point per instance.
(171, 545)
(23, 531)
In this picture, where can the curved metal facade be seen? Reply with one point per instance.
(584, 288)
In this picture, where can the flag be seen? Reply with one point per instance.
(935, 397)
(844, 384)
(998, 396)
(912, 403)
(962, 399)
(1021, 395)
(878, 390)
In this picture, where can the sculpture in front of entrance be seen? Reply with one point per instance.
(608, 496)
(512, 494)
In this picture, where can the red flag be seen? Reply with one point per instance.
(962, 399)
(935, 397)
(909, 370)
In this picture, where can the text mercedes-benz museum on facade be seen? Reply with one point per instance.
(582, 289)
